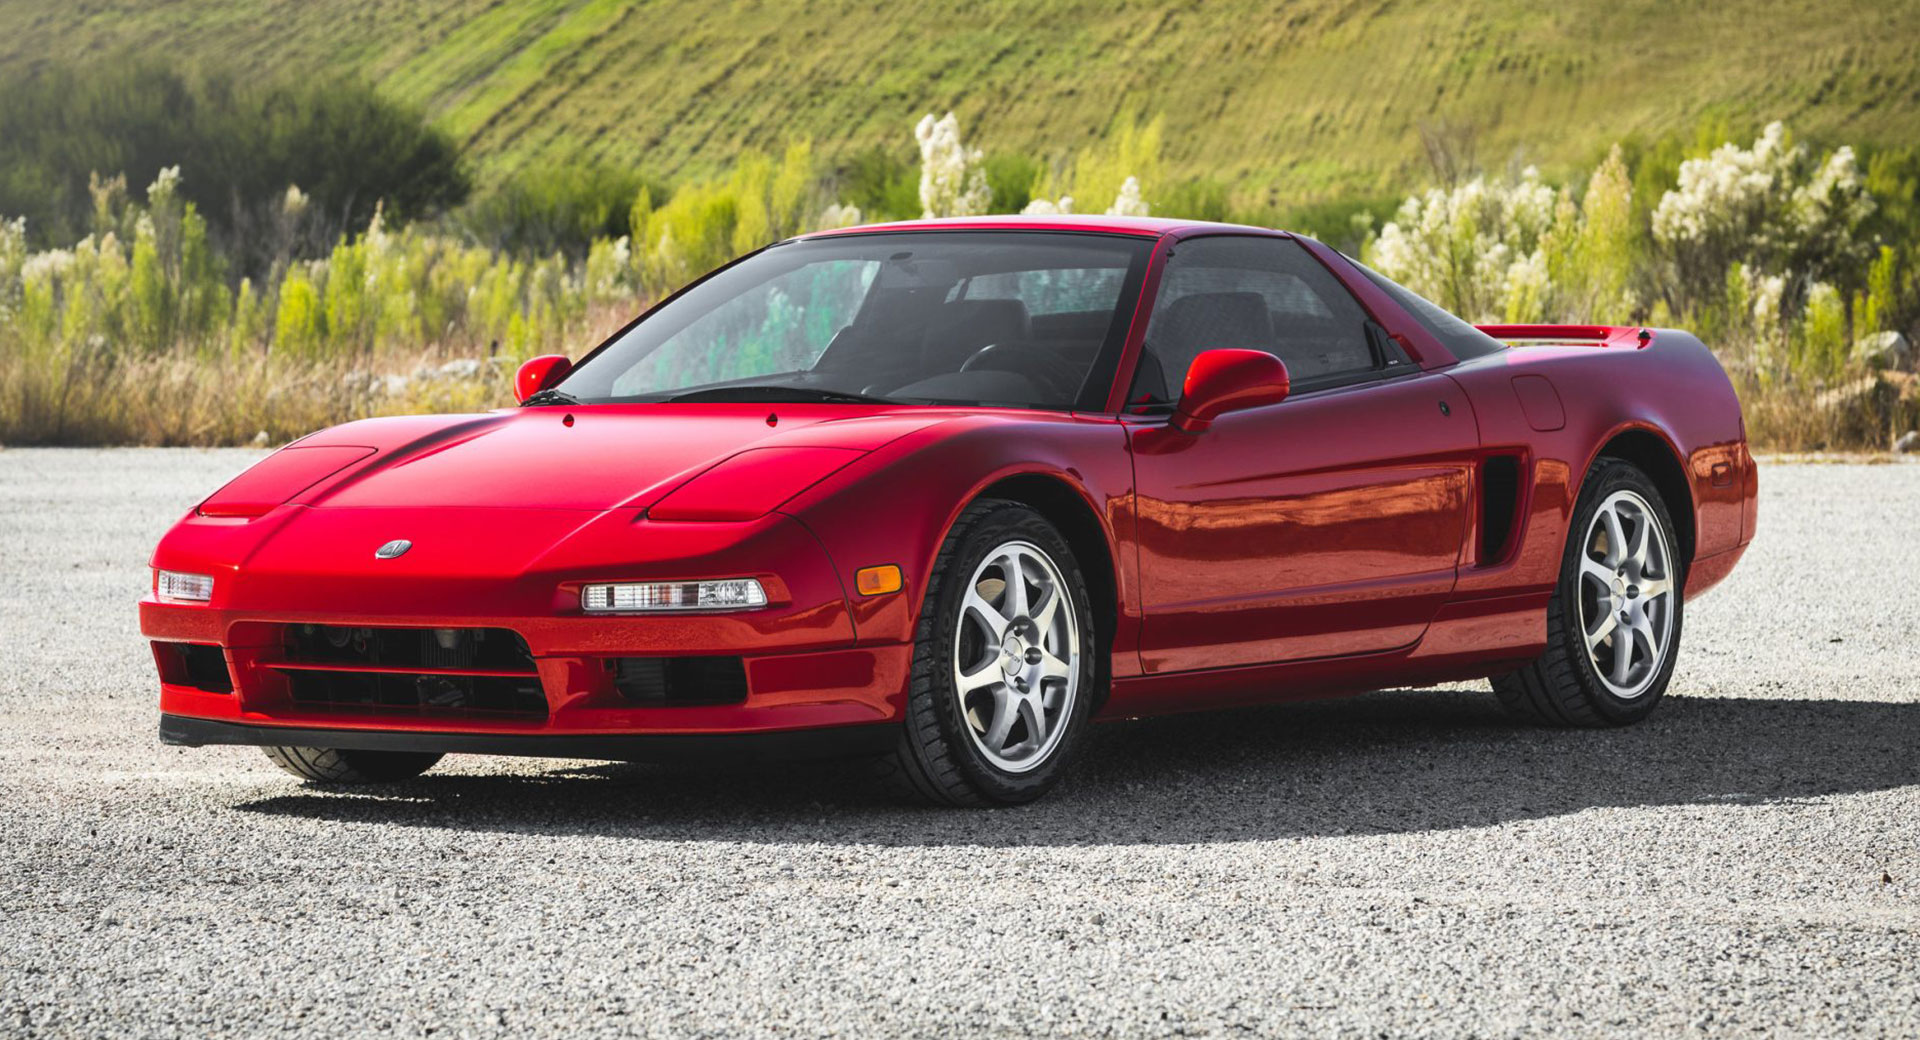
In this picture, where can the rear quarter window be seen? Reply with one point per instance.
(1460, 338)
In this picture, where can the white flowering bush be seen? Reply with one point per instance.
(1765, 250)
(953, 183)
(609, 273)
(1475, 248)
(13, 262)
(1769, 207)
(1128, 202)
(839, 215)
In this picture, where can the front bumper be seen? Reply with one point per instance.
(571, 658)
(799, 659)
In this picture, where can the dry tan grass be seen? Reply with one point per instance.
(1864, 415)
(199, 398)
(185, 398)
(196, 396)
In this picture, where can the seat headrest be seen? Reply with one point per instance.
(1209, 321)
(1204, 321)
(962, 327)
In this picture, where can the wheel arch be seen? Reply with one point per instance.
(1654, 455)
(1068, 510)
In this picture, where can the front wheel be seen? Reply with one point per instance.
(338, 766)
(1613, 625)
(1003, 665)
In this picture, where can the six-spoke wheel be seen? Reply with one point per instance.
(1003, 663)
(1613, 625)
(1015, 656)
(1626, 594)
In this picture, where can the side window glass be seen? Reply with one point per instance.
(1254, 293)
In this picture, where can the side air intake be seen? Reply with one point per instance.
(1499, 508)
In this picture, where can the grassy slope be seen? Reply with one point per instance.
(1287, 101)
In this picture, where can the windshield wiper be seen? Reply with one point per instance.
(777, 394)
(550, 396)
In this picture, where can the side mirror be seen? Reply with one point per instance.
(1221, 381)
(539, 374)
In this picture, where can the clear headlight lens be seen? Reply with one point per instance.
(185, 588)
(652, 596)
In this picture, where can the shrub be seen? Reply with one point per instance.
(238, 146)
(1201, 198)
(706, 223)
(953, 182)
(1770, 254)
(882, 185)
(1770, 206)
(144, 329)
(1475, 248)
(1011, 180)
(556, 210)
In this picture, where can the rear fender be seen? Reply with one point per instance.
(1612, 381)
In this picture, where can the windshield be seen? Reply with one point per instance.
(1014, 318)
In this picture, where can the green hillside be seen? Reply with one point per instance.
(1285, 101)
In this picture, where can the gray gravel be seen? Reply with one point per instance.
(1406, 862)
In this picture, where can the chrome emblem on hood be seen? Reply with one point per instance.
(392, 549)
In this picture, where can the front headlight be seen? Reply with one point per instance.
(644, 597)
(184, 588)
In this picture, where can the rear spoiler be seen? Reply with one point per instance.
(1619, 336)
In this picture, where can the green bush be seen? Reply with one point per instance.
(1011, 179)
(556, 210)
(239, 147)
(882, 183)
(1200, 198)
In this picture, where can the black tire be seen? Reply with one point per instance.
(936, 759)
(1562, 687)
(335, 766)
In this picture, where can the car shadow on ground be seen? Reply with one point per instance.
(1391, 762)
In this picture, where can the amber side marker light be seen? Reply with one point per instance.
(875, 581)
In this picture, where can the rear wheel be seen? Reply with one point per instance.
(337, 766)
(1613, 626)
(1003, 664)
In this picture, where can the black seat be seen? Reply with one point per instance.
(1195, 323)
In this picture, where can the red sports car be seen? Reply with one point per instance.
(944, 493)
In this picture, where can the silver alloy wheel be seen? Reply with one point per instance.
(1016, 656)
(1626, 594)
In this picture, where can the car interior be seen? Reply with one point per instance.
(967, 348)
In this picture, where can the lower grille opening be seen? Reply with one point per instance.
(423, 694)
(497, 649)
(194, 664)
(412, 671)
(669, 681)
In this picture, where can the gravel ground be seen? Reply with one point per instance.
(1405, 862)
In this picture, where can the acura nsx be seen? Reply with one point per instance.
(942, 494)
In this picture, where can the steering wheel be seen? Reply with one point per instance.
(994, 357)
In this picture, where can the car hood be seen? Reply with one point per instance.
(589, 458)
